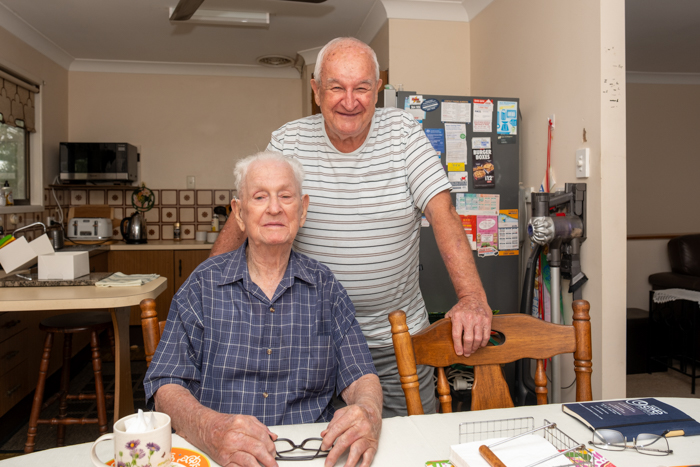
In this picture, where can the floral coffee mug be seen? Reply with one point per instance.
(138, 449)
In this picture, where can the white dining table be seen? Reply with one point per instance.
(411, 441)
(117, 300)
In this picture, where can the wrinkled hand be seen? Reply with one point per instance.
(356, 427)
(238, 441)
(471, 324)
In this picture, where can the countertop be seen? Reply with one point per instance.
(161, 245)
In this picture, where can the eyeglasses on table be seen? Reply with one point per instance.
(309, 449)
(644, 443)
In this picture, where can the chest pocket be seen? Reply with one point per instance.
(318, 366)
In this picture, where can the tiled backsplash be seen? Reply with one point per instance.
(192, 208)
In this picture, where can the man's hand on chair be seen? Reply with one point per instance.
(471, 324)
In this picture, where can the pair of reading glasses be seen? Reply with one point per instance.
(645, 443)
(286, 450)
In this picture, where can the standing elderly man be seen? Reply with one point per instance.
(370, 173)
(264, 336)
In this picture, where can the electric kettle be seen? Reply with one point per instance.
(133, 229)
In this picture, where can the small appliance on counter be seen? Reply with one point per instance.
(98, 162)
(133, 229)
(89, 228)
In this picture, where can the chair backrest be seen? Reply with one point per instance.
(151, 327)
(525, 337)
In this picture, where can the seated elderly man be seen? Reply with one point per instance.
(263, 336)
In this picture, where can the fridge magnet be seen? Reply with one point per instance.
(508, 242)
(429, 105)
(456, 111)
(507, 118)
(459, 181)
(483, 169)
(483, 116)
(412, 106)
(436, 136)
(481, 143)
(487, 235)
(506, 139)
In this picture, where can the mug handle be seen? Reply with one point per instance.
(93, 455)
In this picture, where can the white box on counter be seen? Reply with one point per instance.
(21, 254)
(64, 265)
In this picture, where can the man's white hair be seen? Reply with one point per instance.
(318, 70)
(240, 171)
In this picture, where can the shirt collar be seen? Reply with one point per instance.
(237, 268)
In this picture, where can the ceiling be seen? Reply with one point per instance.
(662, 35)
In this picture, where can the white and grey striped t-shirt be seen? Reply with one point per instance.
(364, 214)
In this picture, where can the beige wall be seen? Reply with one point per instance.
(430, 57)
(513, 54)
(380, 45)
(17, 56)
(664, 160)
(183, 125)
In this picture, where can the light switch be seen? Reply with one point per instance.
(583, 169)
(190, 182)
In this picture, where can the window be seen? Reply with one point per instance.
(17, 117)
(14, 161)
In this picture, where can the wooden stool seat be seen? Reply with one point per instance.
(69, 324)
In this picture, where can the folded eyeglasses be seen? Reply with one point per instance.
(309, 449)
(645, 443)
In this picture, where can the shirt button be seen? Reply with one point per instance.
(269, 351)
(265, 395)
(272, 309)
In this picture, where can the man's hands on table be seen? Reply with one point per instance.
(238, 440)
(471, 324)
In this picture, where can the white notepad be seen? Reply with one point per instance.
(516, 453)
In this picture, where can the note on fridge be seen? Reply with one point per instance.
(459, 181)
(483, 116)
(456, 112)
(455, 143)
(507, 118)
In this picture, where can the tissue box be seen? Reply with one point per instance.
(21, 254)
(64, 266)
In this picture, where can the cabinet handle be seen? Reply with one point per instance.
(13, 390)
(10, 355)
(180, 261)
(11, 324)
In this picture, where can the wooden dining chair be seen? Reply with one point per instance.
(524, 337)
(150, 326)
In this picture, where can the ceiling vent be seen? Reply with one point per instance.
(275, 61)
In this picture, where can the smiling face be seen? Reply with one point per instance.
(271, 209)
(347, 94)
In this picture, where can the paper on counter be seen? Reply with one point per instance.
(520, 451)
(119, 279)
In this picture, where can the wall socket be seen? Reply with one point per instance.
(190, 182)
(583, 169)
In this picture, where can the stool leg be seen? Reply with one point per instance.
(99, 388)
(39, 393)
(65, 382)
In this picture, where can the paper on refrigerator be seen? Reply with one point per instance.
(456, 146)
(483, 116)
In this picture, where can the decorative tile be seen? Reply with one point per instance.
(168, 197)
(203, 227)
(204, 197)
(153, 215)
(169, 214)
(186, 214)
(186, 197)
(222, 197)
(187, 232)
(154, 232)
(119, 213)
(78, 197)
(129, 212)
(48, 198)
(96, 196)
(156, 197)
(115, 197)
(116, 234)
(167, 232)
(37, 217)
(203, 214)
(59, 196)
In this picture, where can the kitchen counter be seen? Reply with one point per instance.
(161, 245)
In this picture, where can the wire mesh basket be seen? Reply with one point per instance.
(507, 428)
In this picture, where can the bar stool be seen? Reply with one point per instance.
(68, 324)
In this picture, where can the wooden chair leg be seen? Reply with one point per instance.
(65, 383)
(99, 387)
(443, 388)
(39, 393)
(406, 362)
(541, 383)
(110, 335)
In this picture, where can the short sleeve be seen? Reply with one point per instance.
(425, 174)
(178, 358)
(353, 357)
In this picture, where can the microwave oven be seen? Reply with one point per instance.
(98, 162)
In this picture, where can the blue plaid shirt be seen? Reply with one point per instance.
(239, 352)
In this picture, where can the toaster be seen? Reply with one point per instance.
(89, 228)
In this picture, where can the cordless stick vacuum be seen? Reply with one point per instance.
(558, 220)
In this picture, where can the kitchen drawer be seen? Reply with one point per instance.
(11, 324)
(13, 386)
(13, 350)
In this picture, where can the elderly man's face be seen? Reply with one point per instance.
(348, 92)
(271, 209)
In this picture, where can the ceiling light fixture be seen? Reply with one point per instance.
(228, 18)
